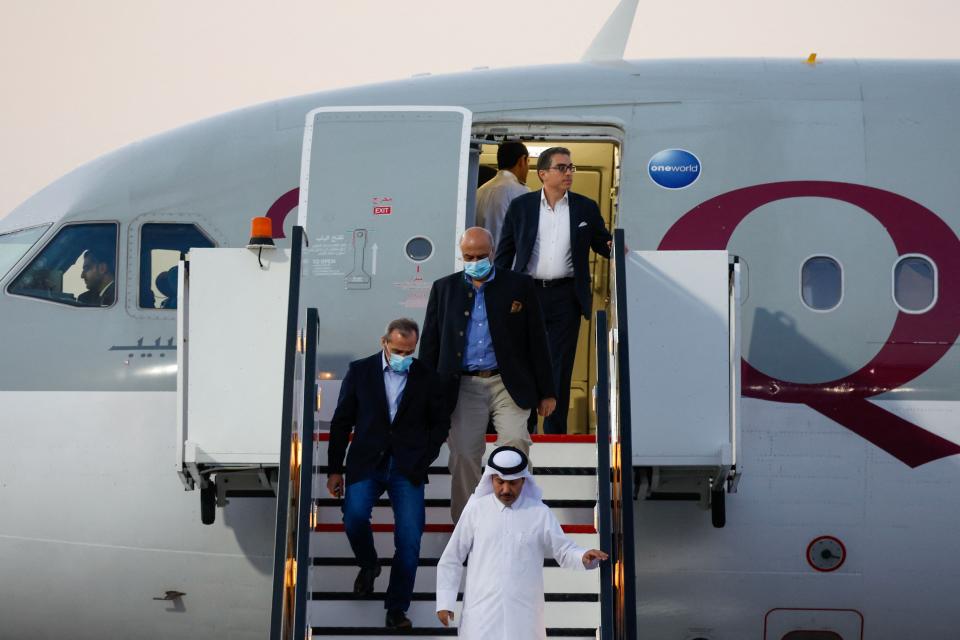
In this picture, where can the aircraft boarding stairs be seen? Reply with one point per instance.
(646, 421)
(565, 468)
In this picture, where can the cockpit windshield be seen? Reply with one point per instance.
(15, 244)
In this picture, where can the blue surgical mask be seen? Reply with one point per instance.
(478, 270)
(400, 364)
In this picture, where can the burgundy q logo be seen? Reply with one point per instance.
(916, 342)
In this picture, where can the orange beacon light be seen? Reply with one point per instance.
(261, 233)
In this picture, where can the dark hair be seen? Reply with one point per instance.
(546, 157)
(509, 154)
(100, 255)
(403, 326)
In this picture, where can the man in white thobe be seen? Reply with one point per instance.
(495, 196)
(507, 531)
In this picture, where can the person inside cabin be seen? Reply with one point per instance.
(495, 196)
(98, 275)
(548, 235)
(484, 334)
(506, 531)
(167, 286)
(395, 409)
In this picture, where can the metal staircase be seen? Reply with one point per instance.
(572, 599)
(586, 480)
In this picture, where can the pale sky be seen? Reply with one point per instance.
(83, 77)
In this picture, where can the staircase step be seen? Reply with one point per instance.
(324, 579)
(431, 596)
(579, 452)
(441, 514)
(427, 633)
(349, 613)
(332, 543)
(554, 487)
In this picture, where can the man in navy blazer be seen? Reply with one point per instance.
(548, 234)
(398, 414)
(484, 334)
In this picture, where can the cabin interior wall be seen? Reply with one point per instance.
(597, 178)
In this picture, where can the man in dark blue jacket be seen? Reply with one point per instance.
(548, 234)
(399, 418)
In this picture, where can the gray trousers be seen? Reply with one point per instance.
(479, 401)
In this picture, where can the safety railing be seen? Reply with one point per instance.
(604, 498)
(294, 477)
(616, 347)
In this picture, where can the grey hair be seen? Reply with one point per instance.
(546, 157)
(403, 326)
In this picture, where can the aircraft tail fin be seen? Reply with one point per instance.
(611, 41)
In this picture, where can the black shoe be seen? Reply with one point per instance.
(398, 620)
(363, 585)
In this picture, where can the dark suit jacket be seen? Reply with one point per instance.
(586, 230)
(413, 439)
(94, 299)
(516, 329)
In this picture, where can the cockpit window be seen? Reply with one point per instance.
(78, 267)
(14, 245)
(161, 245)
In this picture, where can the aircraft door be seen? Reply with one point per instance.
(383, 200)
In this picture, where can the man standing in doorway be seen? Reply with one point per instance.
(495, 196)
(484, 334)
(548, 234)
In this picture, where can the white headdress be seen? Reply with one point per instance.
(510, 464)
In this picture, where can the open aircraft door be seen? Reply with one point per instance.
(676, 389)
(383, 200)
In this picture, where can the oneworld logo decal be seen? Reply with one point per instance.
(674, 168)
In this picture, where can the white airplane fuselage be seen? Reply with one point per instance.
(842, 159)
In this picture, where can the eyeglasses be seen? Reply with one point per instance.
(563, 168)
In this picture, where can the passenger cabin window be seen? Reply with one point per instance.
(821, 283)
(14, 245)
(914, 284)
(161, 245)
(77, 267)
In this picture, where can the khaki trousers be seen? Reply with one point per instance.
(479, 400)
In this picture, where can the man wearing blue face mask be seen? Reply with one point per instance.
(398, 414)
(485, 336)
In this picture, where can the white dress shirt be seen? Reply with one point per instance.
(394, 383)
(552, 257)
(493, 198)
(503, 596)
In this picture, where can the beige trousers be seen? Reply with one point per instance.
(479, 400)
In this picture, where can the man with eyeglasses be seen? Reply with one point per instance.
(548, 234)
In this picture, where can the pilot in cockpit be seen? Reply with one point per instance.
(98, 276)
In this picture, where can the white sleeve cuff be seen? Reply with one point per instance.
(446, 600)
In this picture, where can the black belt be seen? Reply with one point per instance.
(489, 373)
(552, 283)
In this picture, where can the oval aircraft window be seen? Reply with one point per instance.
(419, 248)
(914, 284)
(821, 283)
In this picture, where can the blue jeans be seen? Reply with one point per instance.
(406, 499)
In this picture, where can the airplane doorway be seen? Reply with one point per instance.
(596, 152)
